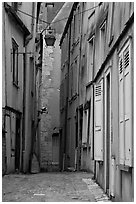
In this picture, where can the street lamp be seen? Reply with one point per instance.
(50, 36)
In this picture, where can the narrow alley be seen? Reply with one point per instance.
(52, 187)
(67, 101)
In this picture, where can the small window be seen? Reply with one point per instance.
(102, 40)
(90, 58)
(15, 61)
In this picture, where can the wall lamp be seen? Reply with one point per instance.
(49, 36)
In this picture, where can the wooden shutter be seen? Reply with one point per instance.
(98, 122)
(121, 111)
(127, 106)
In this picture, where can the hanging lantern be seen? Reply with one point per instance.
(50, 36)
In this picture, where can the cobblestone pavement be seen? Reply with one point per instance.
(51, 187)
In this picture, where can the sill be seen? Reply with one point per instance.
(125, 168)
(16, 85)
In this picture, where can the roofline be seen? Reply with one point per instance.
(68, 22)
(14, 15)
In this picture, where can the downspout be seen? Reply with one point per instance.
(4, 19)
(79, 77)
(26, 41)
(5, 57)
(94, 97)
(24, 100)
(66, 112)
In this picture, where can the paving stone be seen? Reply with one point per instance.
(50, 187)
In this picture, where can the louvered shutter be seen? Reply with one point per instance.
(98, 122)
(127, 106)
(121, 111)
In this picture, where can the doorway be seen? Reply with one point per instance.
(55, 149)
(80, 136)
(17, 144)
(107, 131)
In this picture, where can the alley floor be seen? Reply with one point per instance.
(52, 187)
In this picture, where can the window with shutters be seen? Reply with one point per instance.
(125, 105)
(98, 122)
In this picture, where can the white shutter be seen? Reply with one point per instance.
(121, 112)
(98, 122)
(127, 106)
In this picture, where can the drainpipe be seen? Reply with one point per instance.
(23, 119)
(66, 111)
(5, 56)
(26, 41)
(5, 97)
(94, 99)
(79, 77)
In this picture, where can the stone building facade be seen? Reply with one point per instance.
(50, 91)
(96, 96)
(18, 84)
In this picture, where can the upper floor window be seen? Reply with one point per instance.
(102, 40)
(15, 61)
(90, 58)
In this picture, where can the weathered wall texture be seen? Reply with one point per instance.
(19, 94)
(50, 95)
(100, 118)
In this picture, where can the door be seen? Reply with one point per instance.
(55, 148)
(80, 136)
(107, 131)
(17, 145)
(98, 121)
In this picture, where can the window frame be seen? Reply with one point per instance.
(15, 62)
(103, 29)
(90, 65)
